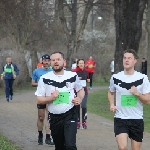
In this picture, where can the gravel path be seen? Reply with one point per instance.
(18, 123)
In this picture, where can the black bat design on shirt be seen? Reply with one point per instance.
(127, 85)
(59, 84)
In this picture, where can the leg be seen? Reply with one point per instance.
(11, 88)
(70, 132)
(78, 112)
(84, 111)
(91, 78)
(7, 88)
(121, 132)
(48, 139)
(136, 127)
(122, 141)
(57, 131)
(135, 145)
(40, 122)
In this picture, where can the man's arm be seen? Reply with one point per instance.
(144, 98)
(34, 83)
(78, 99)
(16, 69)
(47, 99)
(111, 100)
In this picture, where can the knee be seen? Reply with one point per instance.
(41, 118)
(122, 147)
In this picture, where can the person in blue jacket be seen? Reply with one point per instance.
(9, 74)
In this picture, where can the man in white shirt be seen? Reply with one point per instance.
(132, 90)
(56, 89)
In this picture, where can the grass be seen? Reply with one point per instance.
(7, 145)
(98, 104)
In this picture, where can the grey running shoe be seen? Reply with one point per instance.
(49, 141)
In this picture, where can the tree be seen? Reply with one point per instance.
(128, 21)
(147, 25)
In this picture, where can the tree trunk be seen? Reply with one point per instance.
(128, 21)
(147, 25)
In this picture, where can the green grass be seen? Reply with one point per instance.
(7, 145)
(98, 104)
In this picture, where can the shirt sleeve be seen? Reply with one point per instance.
(78, 85)
(41, 88)
(16, 69)
(112, 86)
(146, 85)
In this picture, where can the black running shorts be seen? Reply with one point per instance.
(133, 127)
(41, 106)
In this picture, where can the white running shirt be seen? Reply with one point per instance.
(121, 84)
(68, 82)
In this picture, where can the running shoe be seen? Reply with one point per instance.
(40, 140)
(78, 125)
(11, 97)
(49, 141)
(7, 99)
(84, 125)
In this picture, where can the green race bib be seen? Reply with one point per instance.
(63, 98)
(8, 70)
(128, 100)
(90, 66)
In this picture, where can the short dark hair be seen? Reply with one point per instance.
(79, 60)
(132, 52)
(58, 53)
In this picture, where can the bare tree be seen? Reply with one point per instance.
(128, 21)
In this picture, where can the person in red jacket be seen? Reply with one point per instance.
(90, 64)
(83, 76)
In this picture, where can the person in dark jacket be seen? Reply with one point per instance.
(9, 74)
(83, 76)
(144, 66)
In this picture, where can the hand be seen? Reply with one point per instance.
(14, 76)
(113, 108)
(88, 80)
(134, 91)
(80, 78)
(76, 100)
(55, 94)
(2, 78)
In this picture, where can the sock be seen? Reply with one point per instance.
(40, 134)
(47, 136)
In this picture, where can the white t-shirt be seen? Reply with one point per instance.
(68, 82)
(121, 84)
(74, 66)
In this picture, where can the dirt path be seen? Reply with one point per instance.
(18, 123)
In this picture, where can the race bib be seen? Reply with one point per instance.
(63, 98)
(83, 83)
(90, 66)
(128, 100)
(8, 70)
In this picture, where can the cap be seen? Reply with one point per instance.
(46, 56)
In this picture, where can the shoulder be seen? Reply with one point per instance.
(48, 75)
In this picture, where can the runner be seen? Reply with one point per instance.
(10, 72)
(37, 73)
(83, 75)
(132, 89)
(58, 87)
(90, 64)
